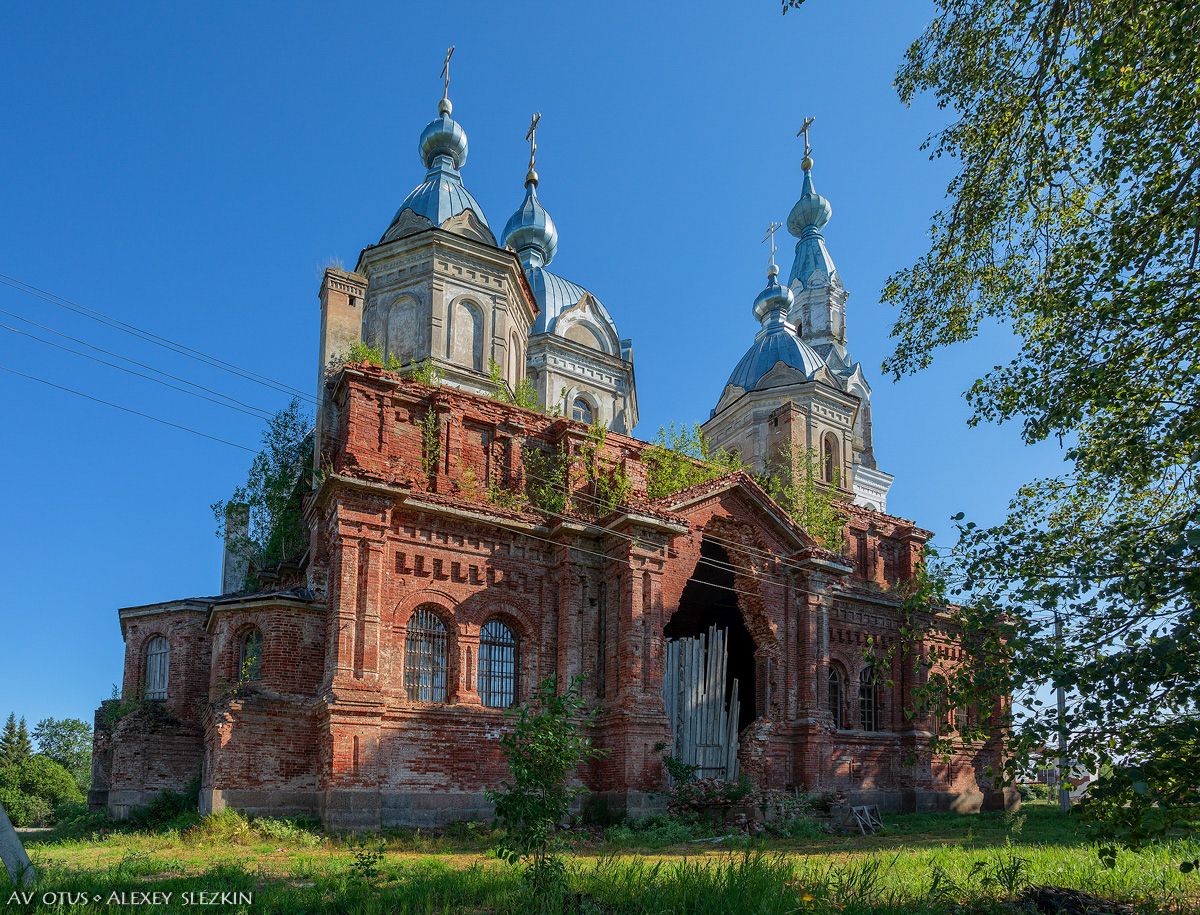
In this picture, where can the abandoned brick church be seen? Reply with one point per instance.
(461, 548)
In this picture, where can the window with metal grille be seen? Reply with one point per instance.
(868, 700)
(158, 667)
(497, 665)
(250, 656)
(426, 656)
(582, 410)
(837, 697)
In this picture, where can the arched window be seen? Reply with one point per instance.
(466, 335)
(426, 656)
(582, 411)
(250, 656)
(514, 361)
(497, 665)
(402, 330)
(158, 667)
(832, 461)
(837, 696)
(868, 700)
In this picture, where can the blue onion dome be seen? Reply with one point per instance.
(444, 136)
(774, 297)
(776, 342)
(530, 231)
(442, 196)
(812, 211)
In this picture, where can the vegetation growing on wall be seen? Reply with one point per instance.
(523, 395)
(793, 479)
(431, 441)
(279, 474)
(546, 472)
(681, 457)
(607, 480)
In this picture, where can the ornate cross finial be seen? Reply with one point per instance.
(802, 132)
(445, 74)
(531, 136)
(771, 230)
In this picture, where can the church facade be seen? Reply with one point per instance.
(463, 548)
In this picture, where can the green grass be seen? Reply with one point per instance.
(923, 863)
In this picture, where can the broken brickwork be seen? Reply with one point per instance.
(420, 514)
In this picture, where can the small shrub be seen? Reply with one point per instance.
(543, 751)
(425, 373)
(295, 832)
(227, 826)
(368, 858)
(167, 807)
(657, 831)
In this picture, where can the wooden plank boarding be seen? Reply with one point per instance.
(703, 725)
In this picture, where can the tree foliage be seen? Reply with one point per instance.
(681, 457)
(32, 789)
(793, 479)
(67, 741)
(544, 750)
(278, 475)
(15, 744)
(1072, 222)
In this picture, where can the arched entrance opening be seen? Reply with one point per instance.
(708, 600)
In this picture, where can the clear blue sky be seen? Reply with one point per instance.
(191, 170)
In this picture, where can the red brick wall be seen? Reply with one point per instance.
(331, 714)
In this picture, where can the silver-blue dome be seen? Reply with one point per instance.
(554, 295)
(442, 195)
(443, 136)
(812, 267)
(775, 342)
(811, 212)
(530, 231)
(774, 297)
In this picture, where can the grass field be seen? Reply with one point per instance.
(922, 863)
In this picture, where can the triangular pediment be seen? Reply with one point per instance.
(741, 495)
(469, 225)
(406, 223)
(780, 374)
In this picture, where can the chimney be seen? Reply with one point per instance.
(236, 562)
(342, 298)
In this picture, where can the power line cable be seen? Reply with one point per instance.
(109, 403)
(122, 368)
(12, 314)
(181, 348)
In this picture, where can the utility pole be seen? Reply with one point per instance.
(1064, 793)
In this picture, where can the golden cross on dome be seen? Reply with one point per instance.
(771, 230)
(445, 74)
(802, 132)
(531, 136)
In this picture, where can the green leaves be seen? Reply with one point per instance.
(272, 493)
(1071, 223)
(681, 457)
(544, 749)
